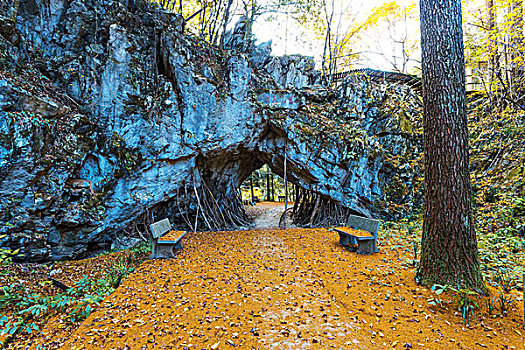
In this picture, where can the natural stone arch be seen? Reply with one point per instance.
(161, 121)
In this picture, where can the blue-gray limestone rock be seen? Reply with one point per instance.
(137, 122)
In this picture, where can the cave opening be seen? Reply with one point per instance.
(305, 207)
(223, 189)
(266, 198)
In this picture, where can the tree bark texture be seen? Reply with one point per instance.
(449, 253)
(285, 186)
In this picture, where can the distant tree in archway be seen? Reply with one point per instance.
(449, 253)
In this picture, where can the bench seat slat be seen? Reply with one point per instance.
(168, 239)
(356, 233)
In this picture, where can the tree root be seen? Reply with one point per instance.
(313, 210)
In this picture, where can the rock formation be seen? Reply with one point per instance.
(111, 117)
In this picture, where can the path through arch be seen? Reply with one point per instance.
(267, 214)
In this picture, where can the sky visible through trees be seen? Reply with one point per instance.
(377, 46)
(379, 34)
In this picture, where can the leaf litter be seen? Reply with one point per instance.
(279, 289)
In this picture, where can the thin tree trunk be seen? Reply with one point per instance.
(327, 49)
(225, 23)
(493, 46)
(268, 185)
(449, 252)
(516, 44)
(285, 187)
(273, 188)
(251, 188)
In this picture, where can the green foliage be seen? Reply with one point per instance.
(491, 195)
(518, 208)
(491, 305)
(27, 116)
(9, 295)
(494, 48)
(504, 280)
(464, 299)
(6, 256)
(501, 252)
(127, 159)
(141, 248)
(505, 301)
(117, 272)
(29, 308)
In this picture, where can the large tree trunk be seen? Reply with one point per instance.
(449, 253)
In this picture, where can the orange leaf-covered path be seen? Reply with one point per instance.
(293, 289)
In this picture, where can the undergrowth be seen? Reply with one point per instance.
(465, 299)
(24, 310)
(501, 251)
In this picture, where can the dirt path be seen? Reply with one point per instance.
(267, 215)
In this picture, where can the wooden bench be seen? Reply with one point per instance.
(165, 240)
(362, 231)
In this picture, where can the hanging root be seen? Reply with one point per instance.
(288, 214)
(201, 209)
(313, 210)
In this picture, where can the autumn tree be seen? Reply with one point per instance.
(397, 23)
(205, 18)
(449, 253)
(340, 28)
(495, 49)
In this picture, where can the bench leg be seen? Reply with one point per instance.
(344, 240)
(154, 249)
(165, 251)
(365, 247)
(178, 245)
